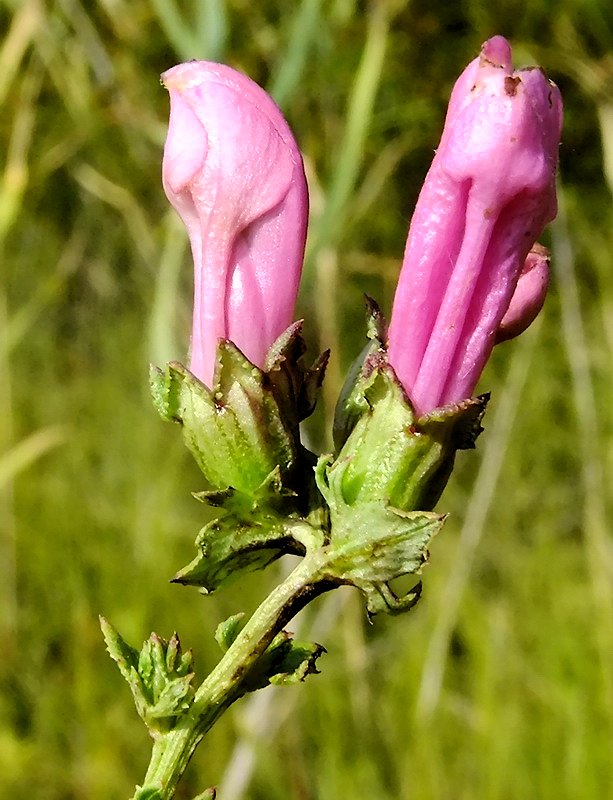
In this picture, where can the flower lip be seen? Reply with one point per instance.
(183, 78)
(529, 295)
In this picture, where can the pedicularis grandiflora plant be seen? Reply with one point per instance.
(363, 515)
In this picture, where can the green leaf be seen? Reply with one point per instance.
(381, 598)
(299, 661)
(284, 663)
(148, 793)
(125, 656)
(230, 546)
(159, 675)
(372, 544)
(249, 538)
(172, 698)
(377, 543)
(209, 794)
(228, 630)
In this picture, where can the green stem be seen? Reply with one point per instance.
(225, 684)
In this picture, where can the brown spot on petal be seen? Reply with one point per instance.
(510, 85)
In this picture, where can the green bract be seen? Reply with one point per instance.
(244, 435)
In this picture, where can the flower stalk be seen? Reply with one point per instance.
(230, 678)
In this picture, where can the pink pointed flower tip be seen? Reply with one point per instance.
(233, 172)
(488, 194)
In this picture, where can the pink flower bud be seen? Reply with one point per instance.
(233, 172)
(486, 198)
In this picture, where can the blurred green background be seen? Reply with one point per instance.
(500, 683)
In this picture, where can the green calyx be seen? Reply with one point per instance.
(384, 451)
(244, 436)
(245, 428)
(387, 475)
(392, 456)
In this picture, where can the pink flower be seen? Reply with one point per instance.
(486, 198)
(233, 172)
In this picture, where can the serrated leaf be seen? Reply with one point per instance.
(125, 656)
(381, 598)
(159, 675)
(377, 543)
(284, 663)
(211, 574)
(298, 662)
(175, 696)
(372, 544)
(230, 546)
(263, 499)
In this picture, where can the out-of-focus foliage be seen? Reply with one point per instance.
(500, 684)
